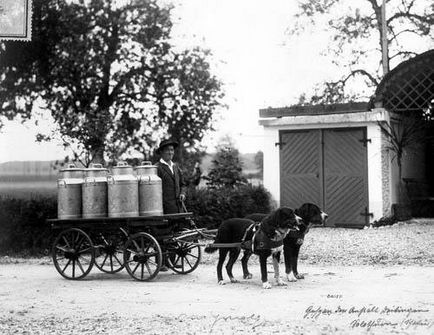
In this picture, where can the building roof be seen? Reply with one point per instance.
(295, 110)
(409, 87)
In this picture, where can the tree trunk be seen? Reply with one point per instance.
(384, 41)
(97, 154)
(378, 10)
(179, 153)
(401, 210)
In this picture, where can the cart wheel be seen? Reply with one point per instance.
(109, 256)
(73, 253)
(142, 256)
(183, 257)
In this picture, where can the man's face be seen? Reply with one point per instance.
(167, 153)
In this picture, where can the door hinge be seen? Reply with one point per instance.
(365, 140)
(367, 216)
(279, 144)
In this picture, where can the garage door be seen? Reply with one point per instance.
(327, 167)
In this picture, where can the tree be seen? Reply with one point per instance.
(259, 161)
(108, 75)
(185, 111)
(355, 28)
(226, 170)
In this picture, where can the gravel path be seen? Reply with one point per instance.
(372, 281)
(407, 243)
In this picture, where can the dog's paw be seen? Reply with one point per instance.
(266, 285)
(233, 280)
(248, 276)
(299, 276)
(280, 282)
(221, 282)
(291, 277)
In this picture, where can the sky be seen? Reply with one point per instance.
(260, 64)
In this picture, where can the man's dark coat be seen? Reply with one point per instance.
(173, 186)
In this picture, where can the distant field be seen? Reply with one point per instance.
(27, 179)
(27, 189)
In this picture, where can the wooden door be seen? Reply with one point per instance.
(326, 167)
(300, 168)
(345, 176)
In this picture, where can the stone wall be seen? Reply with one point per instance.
(386, 176)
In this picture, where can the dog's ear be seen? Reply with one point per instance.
(310, 213)
(286, 218)
(269, 224)
(283, 217)
(303, 212)
(307, 211)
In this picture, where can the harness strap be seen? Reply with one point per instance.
(224, 245)
(253, 240)
(247, 230)
(252, 227)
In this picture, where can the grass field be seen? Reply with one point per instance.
(28, 189)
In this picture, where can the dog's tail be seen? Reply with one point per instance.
(210, 249)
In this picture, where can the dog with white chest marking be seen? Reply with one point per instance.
(263, 239)
(311, 215)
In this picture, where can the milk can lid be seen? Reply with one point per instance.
(146, 164)
(71, 167)
(96, 167)
(122, 165)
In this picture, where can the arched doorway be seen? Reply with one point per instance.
(408, 92)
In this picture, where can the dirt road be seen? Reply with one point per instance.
(35, 299)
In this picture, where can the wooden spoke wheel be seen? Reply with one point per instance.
(73, 253)
(109, 254)
(142, 256)
(183, 257)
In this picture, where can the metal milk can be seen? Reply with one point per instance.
(150, 190)
(69, 187)
(95, 192)
(123, 192)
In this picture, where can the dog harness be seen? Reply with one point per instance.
(259, 240)
(249, 245)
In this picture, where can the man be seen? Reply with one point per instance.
(174, 186)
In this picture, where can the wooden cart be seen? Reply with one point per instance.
(140, 244)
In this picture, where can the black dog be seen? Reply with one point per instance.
(311, 215)
(263, 239)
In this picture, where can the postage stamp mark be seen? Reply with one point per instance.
(16, 20)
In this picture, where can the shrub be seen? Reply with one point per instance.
(226, 170)
(211, 206)
(385, 221)
(23, 228)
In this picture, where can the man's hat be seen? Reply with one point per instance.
(165, 143)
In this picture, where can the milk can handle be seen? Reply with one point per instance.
(61, 183)
(141, 177)
(96, 165)
(122, 164)
(71, 166)
(146, 163)
(89, 180)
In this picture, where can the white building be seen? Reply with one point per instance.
(337, 156)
